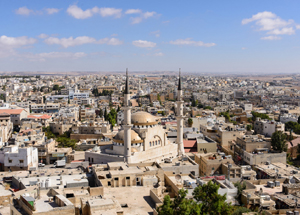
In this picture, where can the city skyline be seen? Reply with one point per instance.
(205, 37)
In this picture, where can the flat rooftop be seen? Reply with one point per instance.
(43, 204)
(55, 180)
(177, 161)
(136, 197)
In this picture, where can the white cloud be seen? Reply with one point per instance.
(51, 55)
(271, 38)
(110, 41)
(52, 10)
(261, 15)
(24, 11)
(288, 31)
(62, 55)
(68, 42)
(143, 44)
(117, 13)
(156, 33)
(273, 24)
(133, 11)
(16, 42)
(143, 16)
(189, 41)
(78, 13)
(9, 44)
(159, 54)
(43, 36)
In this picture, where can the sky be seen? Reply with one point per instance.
(244, 37)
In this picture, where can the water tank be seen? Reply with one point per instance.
(48, 182)
(43, 183)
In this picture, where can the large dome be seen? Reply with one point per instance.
(143, 118)
(135, 138)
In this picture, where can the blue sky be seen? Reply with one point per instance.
(198, 36)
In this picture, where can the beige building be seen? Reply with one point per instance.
(211, 163)
(253, 150)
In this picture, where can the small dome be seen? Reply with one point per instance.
(143, 118)
(135, 138)
(134, 150)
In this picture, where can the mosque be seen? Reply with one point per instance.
(141, 138)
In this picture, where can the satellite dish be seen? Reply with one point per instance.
(292, 181)
(178, 178)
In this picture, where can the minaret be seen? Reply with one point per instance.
(127, 121)
(180, 118)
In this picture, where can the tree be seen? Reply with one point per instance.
(200, 106)
(260, 115)
(105, 114)
(180, 206)
(158, 97)
(208, 107)
(299, 120)
(56, 87)
(249, 127)
(278, 141)
(101, 112)
(240, 211)
(240, 187)
(212, 202)
(4, 88)
(190, 122)
(195, 103)
(205, 201)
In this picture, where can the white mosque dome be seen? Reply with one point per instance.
(135, 138)
(143, 118)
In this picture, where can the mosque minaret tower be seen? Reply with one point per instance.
(127, 121)
(180, 118)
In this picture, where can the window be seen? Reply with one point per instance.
(9, 161)
(21, 161)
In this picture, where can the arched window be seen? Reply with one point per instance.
(150, 144)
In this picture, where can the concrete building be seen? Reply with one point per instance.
(267, 128)
(16, 115)
(20, 158)
(253, 150)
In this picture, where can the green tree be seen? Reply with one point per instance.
(101, 112)
(249, 127)
(190, 122)
(207, 107)
(195, 103)
(240, 211)
(158, 97)
(278, 141)
(180, 206)
(56, 87)
(200, 106)
(240, 187)
(105, 114)
(260, 115)
(212, 202)
(299, 120)
(4, 87)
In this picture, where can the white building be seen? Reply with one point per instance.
(19, 158)
(288, 118)
(267, 128)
